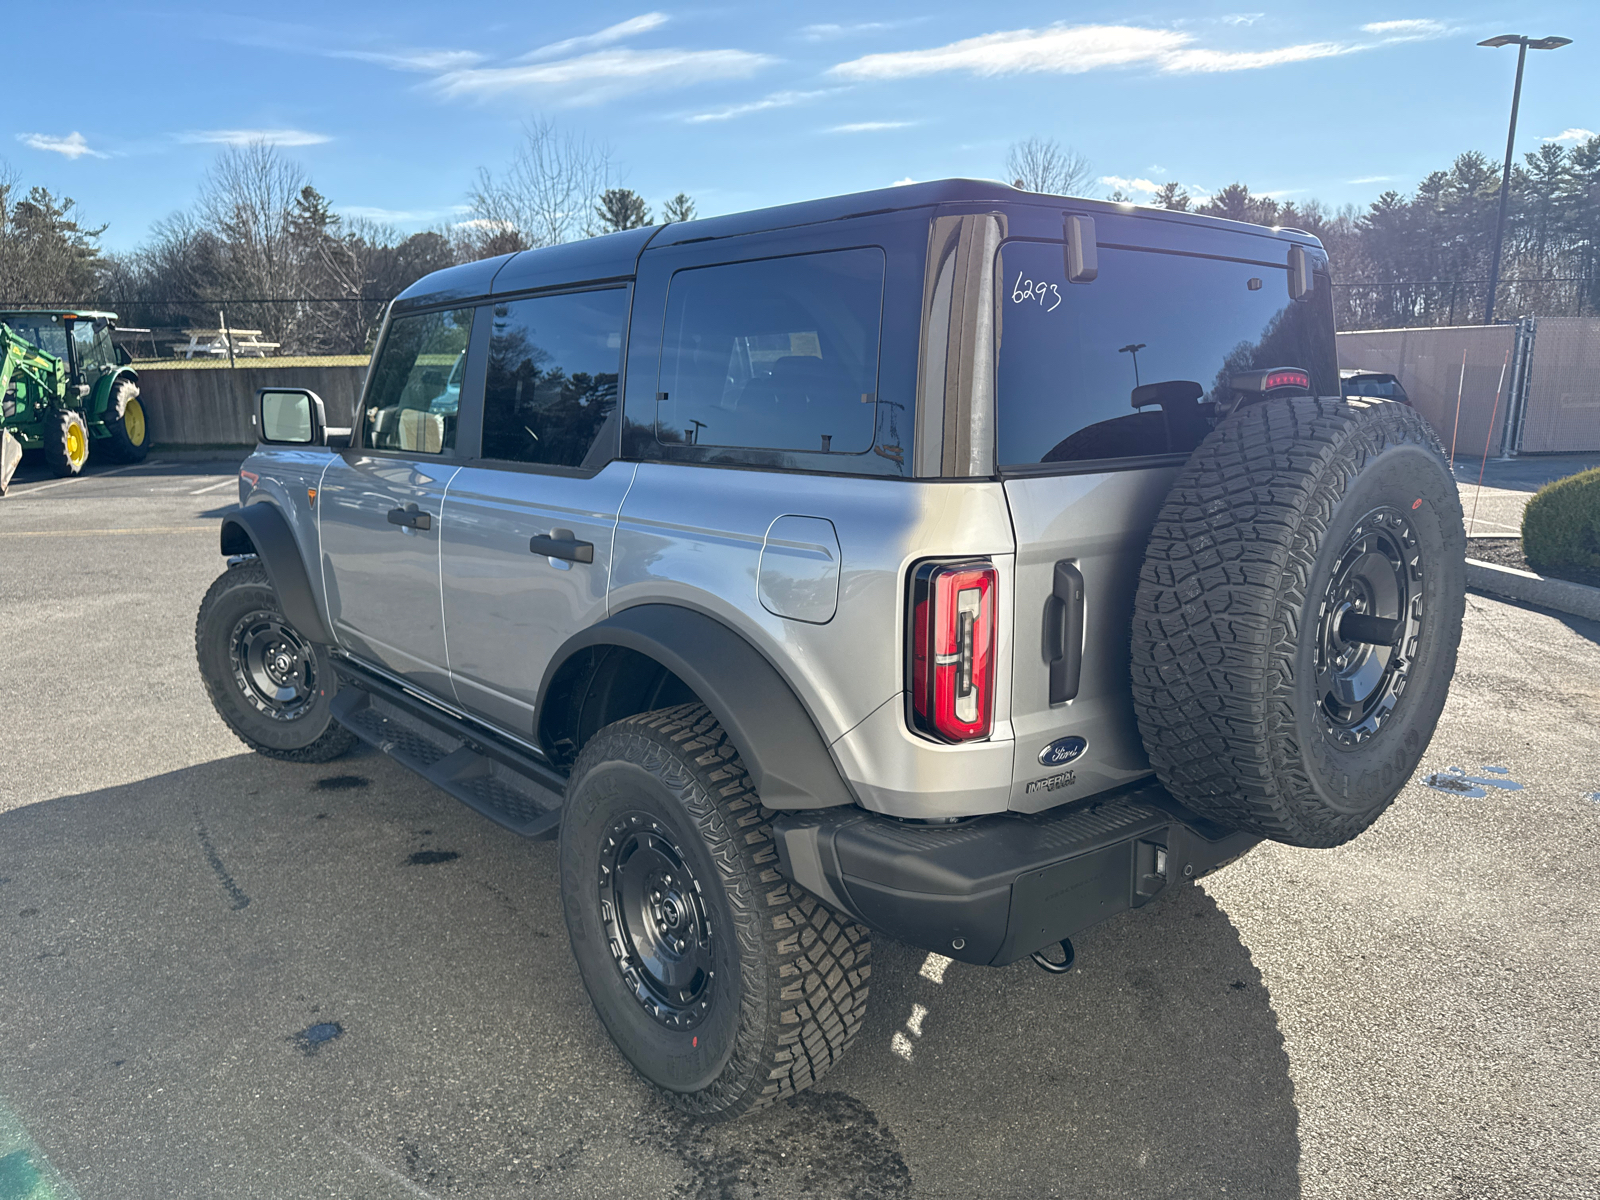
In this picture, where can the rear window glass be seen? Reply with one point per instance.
(415, 392)
(778, 354)
(1071, 355)
(552, 377)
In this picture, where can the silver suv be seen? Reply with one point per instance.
(834, 568)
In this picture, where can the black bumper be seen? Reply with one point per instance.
(994, 889)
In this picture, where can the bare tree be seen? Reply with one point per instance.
(546, 195)
(1043, 165)
(247, 202)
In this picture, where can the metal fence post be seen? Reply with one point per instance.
(1521, 379)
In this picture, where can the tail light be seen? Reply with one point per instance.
(951, 650)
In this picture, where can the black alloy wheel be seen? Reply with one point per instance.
(273, 666)
(1368, 626)
(657, 924)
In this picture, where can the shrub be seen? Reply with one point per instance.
(1561, 525)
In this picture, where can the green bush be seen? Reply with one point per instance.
(1561, 525)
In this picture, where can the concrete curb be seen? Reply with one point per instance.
(1559, 594)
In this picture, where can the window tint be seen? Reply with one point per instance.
(1071, 355)
(552, 381)
(779, 354)
(415, 391)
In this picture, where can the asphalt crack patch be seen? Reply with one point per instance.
(235, 893)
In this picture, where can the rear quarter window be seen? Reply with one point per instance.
(1071, 355)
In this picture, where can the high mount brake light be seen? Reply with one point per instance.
(951, 650)
(1278, 379)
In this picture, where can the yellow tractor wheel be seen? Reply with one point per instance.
(66, 442)
(125, 422)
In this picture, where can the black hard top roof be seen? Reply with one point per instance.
(616, 255)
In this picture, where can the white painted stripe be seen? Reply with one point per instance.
(933, 967)
(232, 479)
(28, 491)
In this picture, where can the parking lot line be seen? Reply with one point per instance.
(215, 486)
(28, 491)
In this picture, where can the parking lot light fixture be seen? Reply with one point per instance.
(1523, 43)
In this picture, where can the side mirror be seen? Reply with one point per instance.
(290, 417)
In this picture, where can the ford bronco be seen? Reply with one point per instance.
(950, 562)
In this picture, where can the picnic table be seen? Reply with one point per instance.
(218, 343)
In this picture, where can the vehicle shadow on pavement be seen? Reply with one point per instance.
(253, 978)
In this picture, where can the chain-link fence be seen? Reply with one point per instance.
(228, 329)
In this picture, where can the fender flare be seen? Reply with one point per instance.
(262, 530)
(788, 759)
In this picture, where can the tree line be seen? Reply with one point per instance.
(1421, 258)
(263, 246)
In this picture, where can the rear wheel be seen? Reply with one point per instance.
(66, 442)
(271, 685)
(124, 420)
(725, 985)
(1297, 618)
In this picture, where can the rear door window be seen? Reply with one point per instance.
(776, 354)
(414, 396)
(552, 376)
(1072, 355)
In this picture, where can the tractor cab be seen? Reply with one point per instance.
(79, 338)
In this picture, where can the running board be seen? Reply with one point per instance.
(509, 788)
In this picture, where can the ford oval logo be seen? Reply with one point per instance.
(1062, 751)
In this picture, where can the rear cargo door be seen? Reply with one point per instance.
(1103, 388)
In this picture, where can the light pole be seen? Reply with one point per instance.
(1525, 44)
(1133, 348)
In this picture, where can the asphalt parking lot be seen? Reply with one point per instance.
(227, 976)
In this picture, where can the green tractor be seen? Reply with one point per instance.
(64, 388)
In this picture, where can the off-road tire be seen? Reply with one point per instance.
(1235, 588)
(312, 736)
(64, 434)
(125, 444)
(789, 989)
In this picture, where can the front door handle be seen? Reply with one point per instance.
(562, 543)
(410, 517)
(1063, 614)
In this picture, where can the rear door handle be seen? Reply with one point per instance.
(410, 517)
(1063, 614)
(562, 543)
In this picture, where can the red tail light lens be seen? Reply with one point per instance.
(951, 652)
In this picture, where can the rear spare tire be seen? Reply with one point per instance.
(1297, 618)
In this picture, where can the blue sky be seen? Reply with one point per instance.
(392, 107)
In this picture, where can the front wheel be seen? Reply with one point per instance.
(66, 442)
(271, 685)
(726, 986)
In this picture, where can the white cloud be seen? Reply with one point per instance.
(1210, 61)
(902, 182)
(1060, 48)
(72, 146)
(591, 78)
(1371, 179)
(412, 60)
(869, 126)
(1571, 135)
(1073, 49)
(369, 213)
(611, 33)
(1241, 18)
(1406, 29)
(483, 223)
(246, 137)
(1130, 185)
(775, 100)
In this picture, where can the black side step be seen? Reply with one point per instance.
(509, 788)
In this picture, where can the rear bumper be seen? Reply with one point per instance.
(994, 889)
